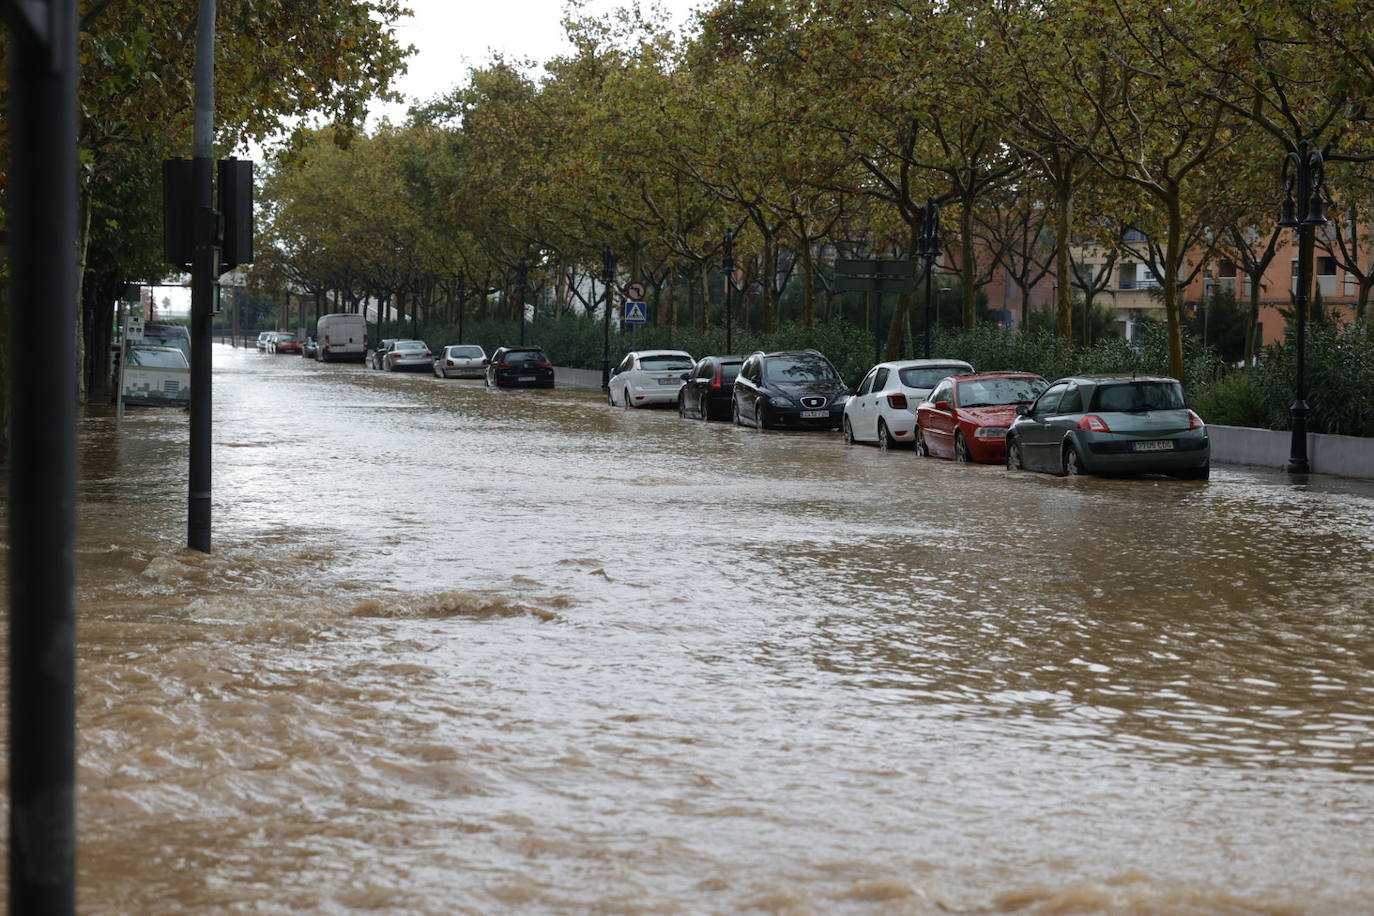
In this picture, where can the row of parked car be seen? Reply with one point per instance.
(1118, 424)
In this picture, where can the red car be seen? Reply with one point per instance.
(966, 417)
(284, 342)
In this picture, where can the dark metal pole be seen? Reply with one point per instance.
(204, 275)
(607, 280)
(728, 270)
(522, 272)
(1304, 169)
(462, 295)
(42, 484)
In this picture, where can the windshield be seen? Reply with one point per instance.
(665, 361)
(157, 358)
(928, 376)
(799, 369)
(991, 392)
(1133, 396)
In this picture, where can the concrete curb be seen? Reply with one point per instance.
(1344, 456)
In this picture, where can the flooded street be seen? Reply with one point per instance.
(470, 651)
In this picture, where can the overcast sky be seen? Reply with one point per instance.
(452, 37)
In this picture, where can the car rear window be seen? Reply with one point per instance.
(1132, 396)
(728, 371)
(799, 369)
(660, 363)
(990, 392)
(282, 338)
(465, 351)
(928, 376)
(411, 345)
(525, 357)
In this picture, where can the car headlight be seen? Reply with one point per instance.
(779, 400)
(990, 432)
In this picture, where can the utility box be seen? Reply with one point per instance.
(236, 205)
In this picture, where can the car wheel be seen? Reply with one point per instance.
(1014, 461)
(734, 413)
(961, 449)
(847, 431)
(705, 408)
(921, 450)
(1202, 473)
(1073, 465)
(760, 416)
(682, 407)
(626, 395)
(885, 440)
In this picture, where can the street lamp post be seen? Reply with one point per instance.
(607, 280)
(727, 269)
(1305, 170)
(523, 284)
(462, 296)
(928, 247)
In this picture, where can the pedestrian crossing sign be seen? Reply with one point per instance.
(634, 312)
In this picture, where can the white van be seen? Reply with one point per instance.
(341, 336)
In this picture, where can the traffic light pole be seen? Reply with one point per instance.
(204, 275)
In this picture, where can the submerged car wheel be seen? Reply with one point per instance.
(705, 407)
(960, 448)
(734, 413)
(885, 440)
(922, 451)
(1202, 473)
(1014, 462)
(682, 407)
(1073, 465)
(848, 432)
(760, 416)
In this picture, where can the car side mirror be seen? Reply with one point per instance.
(942, 405)
(1022, 410)
(686, 376)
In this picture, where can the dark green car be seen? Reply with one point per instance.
(1118, 424)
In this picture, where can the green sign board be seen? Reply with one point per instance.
(861, 276)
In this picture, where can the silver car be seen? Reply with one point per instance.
(461, 361)
(407, 354)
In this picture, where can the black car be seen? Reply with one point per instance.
(709, 388)
(519, 367)
(799, 389)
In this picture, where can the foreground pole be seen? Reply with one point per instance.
(204, 274)
(42, 485)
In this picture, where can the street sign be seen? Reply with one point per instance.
(634, 291)
(634, 313)
(875, 276)
(133, 329)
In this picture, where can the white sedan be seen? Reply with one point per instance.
(883, 409)
(461, 361)
(646, 377)
(407, 354)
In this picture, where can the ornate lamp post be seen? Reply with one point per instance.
(1305, 170)
(727, 269)
(928, 247)
(607, 280)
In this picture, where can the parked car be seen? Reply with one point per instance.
(525, 367)
(373, 359)
(797, 388)
(966, 417)
(883, 409)
(264, 339)
(156, 376)
(342, 336)
(461, 361)
(648, 377)
(310, 349)
(1110, 425)
(709, 388)
(167, 334)
(285, 342)
(408, 354)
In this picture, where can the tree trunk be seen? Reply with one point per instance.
(1063, 299)
(969, 268)
(1170, 279)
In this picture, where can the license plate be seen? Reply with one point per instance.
(1155, 445)
(814, 414)
(670, 381)
(525, 378)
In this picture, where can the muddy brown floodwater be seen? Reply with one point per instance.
(471, 651)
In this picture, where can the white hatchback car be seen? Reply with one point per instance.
(883, 409)
(647, 377)
(407, 354)
(461, 361)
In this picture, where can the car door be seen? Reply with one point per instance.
(698, 388)
(873, 403)
(938, 427)
(1038, 437)
(746, 391)
(619, 379)
(860, 408)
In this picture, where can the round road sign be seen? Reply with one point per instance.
(634, 291)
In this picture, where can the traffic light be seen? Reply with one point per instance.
(236, 205)
(177, 195)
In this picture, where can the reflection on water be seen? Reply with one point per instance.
(461, 650)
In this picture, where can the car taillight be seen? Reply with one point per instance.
(504, 366)
(715, 379)
(1194, 421)
(1093, 423)
(448, 362)
(326, 338)
(546, 365)
(364, 340)
(896, 400)
(486, 362)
